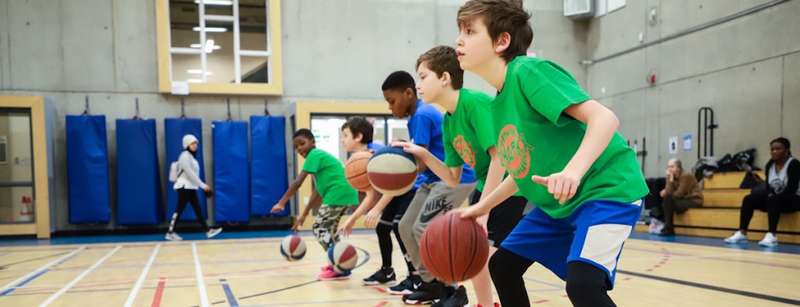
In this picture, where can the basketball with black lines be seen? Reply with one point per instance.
(293, 248)
(454, 249)
(355, 170)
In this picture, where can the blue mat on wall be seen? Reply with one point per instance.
(231, 173)
(268, 173)
(138, 182)
(87, 169)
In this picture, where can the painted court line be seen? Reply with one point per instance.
(159, 293)
(228, 293)
(140, 281)
(772, 298)
(78, 279)
(201, 285)
(22, 281)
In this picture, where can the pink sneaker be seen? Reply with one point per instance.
(333, 275)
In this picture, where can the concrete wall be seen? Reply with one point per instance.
(332, 50)
(745, 69)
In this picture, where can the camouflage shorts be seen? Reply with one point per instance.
(325, 223)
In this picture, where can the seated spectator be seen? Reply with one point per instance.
(778, 194)
(681, 193)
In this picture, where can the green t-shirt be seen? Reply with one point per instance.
(330, 180)
(468, 134)
(536, 137)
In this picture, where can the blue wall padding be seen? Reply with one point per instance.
(268, 174)
(138, 182)
(87, 169)
(231, 173)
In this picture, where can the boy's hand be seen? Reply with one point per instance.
(277, 208)
(562, 185)
(372, 218)
(411, 148)
(472, 212)
(346, 228)
(298, 223)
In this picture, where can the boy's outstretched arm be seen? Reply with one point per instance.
(290, 192)
(601, 123)
(450, 175)
(367, 203)
(495, 174)
(313, 202)
(505, 190)
(374, 215)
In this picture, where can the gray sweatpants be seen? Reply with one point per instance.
(430, 201)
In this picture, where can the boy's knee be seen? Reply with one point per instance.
(406, 230)
(383, 229)
(499, 267)
(586, 283)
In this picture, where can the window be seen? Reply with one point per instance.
(219, 46)
(327, 131)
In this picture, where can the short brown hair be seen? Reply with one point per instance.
(441, 59)
(501, 16)
(359, 125)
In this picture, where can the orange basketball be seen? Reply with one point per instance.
(453, 249)
(356, 171)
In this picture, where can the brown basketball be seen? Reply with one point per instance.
(454, 249)
(356, 170)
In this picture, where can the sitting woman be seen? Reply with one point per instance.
(779, 195)
(681, 193)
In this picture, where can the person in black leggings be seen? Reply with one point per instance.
(186, 186)
(779, 194)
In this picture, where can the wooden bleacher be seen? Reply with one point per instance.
(719, 216)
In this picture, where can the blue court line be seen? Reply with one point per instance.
(23, 283)
(33, 277)
(718, 242)
(229, 293)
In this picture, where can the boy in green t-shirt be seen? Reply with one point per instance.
(332, 194)
(468, 138)
(561, 151)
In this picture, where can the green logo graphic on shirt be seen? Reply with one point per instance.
(513, 154)
(464, 150)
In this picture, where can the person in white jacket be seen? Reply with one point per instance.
(186, 186)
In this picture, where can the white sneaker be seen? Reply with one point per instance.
(656, 226)
(736, 238)
(171, 236)
(769, 240)
(213, 232)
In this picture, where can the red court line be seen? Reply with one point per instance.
(159, 293)
(381, 304)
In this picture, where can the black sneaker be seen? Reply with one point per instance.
(406, 286)
(382, 276)
(426, 294)
(447, 292)
(457, 298)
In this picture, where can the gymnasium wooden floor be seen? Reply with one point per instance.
(251, 272)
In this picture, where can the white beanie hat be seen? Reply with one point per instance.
(188, 140)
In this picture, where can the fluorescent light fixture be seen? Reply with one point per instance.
(209, 47)
(215, 2)
(198, 72)
(197, 46)
(211, 29)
